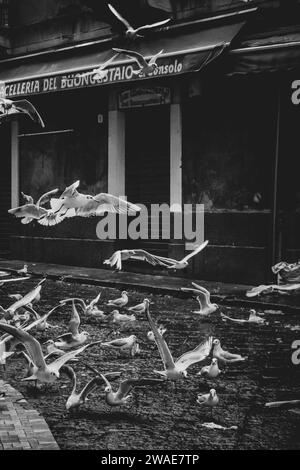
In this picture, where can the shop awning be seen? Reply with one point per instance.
(187, 52)
(266, 55)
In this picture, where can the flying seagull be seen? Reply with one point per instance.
(142, 255)
(79, 398)
(32, 296)
(100, 72)
(146, 66)
(203, 297)
(225, 356)
(73, 338)
(86, 205)
(41, 371)
(9, 108)
(175, 370)
(253, 318)
(8, 342)
(30, 211)
(121, 396)
(133, 33)
(86, 307)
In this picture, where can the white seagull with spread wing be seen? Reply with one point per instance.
(175, 370)
(131, 32)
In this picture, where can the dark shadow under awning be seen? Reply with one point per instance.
(56, 71)
(267, 55)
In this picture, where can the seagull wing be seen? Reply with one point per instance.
(28, 210)
(236, 320)
(155, 57)
(108, 62)
(133, 55)
(27, 299)
(46, 197)
(120, 17)
(109, 203)
(26, 107)
(127, 385)
(58, 363)
(32, 345)
(95, 300)
(162, 346)
(115, 260)
(28, 199)
(153, 25)
(74, 323)
(143, 255)
(196, 251)
(70, 190)
(196, 355)
(118, 343)
(96, 382)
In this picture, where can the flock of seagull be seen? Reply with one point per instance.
(45, 363)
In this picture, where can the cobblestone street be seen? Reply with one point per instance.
(165, 417)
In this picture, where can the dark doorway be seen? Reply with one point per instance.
(148, 155)
(147, 176)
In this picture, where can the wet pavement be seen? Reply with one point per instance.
(167, 417)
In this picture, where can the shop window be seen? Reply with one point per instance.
(229, 145)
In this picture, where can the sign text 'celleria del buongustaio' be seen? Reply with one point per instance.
(119, 73)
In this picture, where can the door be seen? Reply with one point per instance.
(147, 175)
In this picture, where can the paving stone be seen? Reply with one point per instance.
(20, 428)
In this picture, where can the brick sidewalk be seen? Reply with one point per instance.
(21, 427)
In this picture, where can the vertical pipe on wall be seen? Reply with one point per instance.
(116, 148)
(176, 157)
(276, 249)
(15, 178)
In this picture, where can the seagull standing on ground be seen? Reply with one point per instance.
(120, 302)
(210, 399)
(175, 370)
(133, 33)
(140, 308)
(122, 344)
(225, 356)
(142, 255)
(161, 330)
(212, 371)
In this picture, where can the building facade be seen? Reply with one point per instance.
(215, 125)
